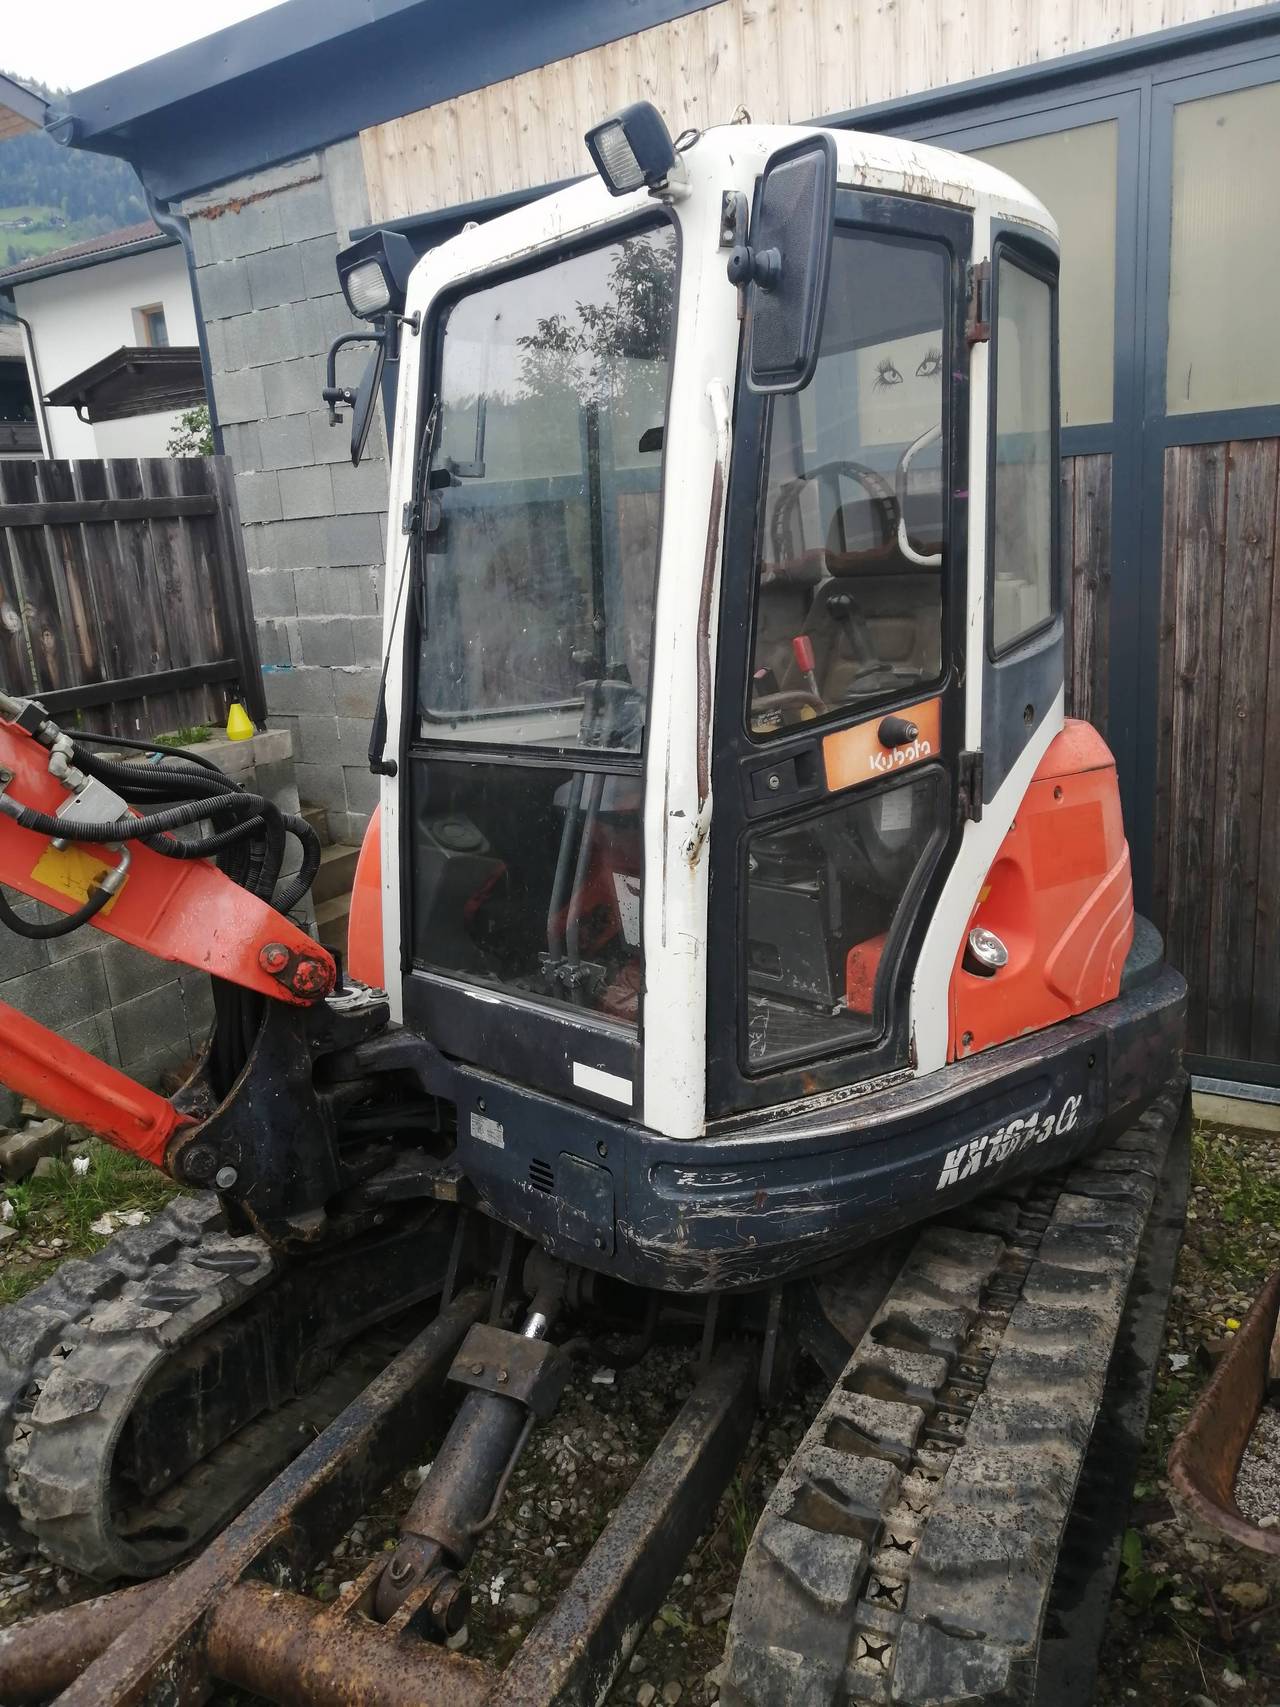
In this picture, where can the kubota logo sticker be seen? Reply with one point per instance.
(992, 1148)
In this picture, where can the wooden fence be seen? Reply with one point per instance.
(124, 603)
(1217, 878)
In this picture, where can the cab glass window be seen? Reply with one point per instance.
(1023, 456)
(537, 586)
(852, 544)
(823, 899)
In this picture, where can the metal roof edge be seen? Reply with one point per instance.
(303, 76)
(11, 277)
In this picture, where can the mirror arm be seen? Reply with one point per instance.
(333, 393)
(904, 543)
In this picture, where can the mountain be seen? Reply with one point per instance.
(51, 196)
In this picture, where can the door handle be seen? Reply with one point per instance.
(897, 731)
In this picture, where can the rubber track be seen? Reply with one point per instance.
(907, 1553)
(77, 1350)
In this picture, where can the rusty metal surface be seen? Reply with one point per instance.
(293, 1651)
(1206, 1455)
(575, 1652)
(296, 1520)
(40, 1655)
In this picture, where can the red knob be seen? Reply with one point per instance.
(802, 652)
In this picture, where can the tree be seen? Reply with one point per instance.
(586, 347)
(193, 434)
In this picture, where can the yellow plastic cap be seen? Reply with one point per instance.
(239, 728)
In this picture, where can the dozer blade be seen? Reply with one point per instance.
(908, 1551)
(1206, 1456)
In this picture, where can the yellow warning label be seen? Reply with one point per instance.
(72, 873)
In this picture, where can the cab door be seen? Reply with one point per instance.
(837, 765)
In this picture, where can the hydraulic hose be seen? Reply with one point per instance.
(63, 925)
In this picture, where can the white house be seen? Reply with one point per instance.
(115, 342)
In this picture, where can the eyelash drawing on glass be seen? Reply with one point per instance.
(930, 364)
(886, 374)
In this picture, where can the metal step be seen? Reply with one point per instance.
(318, 818)
(332, 918)
(337, 873)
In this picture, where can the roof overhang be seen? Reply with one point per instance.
(308, 73)
(21, 109)
(134, 381)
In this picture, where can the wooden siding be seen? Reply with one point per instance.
(1086, 570)
(1217, 866)
(782, 59)
(124, 603)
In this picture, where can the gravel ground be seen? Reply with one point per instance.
(1193, 1623)
(1189, 1624)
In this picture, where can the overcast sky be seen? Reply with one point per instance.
(71, 43)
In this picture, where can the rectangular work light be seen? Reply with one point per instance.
(631, 149)
(374, 274)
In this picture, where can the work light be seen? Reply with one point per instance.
(632, 148)
(374, 274)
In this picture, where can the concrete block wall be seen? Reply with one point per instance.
(314, 527)
(144, 1015)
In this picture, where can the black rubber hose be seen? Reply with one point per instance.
(63, 925)
(306, 873)
(137, 829)
(180, 753)
(153, 779)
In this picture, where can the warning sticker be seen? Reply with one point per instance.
(73, 872)
(487, 1131)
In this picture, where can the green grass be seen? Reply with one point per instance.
(63, 1204)
(186, 737)
(44, 239)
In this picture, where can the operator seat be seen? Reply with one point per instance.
(876, 617)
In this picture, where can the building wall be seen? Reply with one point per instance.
(79, 317)
(314, 526)
(784, 60)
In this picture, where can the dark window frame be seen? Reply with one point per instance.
(847, 223)
(1038, 262)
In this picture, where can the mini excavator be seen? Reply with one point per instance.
(744, 948)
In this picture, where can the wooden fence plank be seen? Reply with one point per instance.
(1246, 596)
(1163, 781)
(56, 483)
(71, 511)
(46, 632)
(1091, 589)
(123, 592)
(1200, 549)
(1263, 1043)
(17, 674)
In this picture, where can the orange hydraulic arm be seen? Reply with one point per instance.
(184, 911)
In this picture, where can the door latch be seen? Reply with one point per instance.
(970, 786)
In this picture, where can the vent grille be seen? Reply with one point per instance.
(541, 1175)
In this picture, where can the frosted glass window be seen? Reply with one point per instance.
(1073, 172)
(1225, 252)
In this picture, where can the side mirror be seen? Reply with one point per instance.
(367, 395)
(785, 268)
